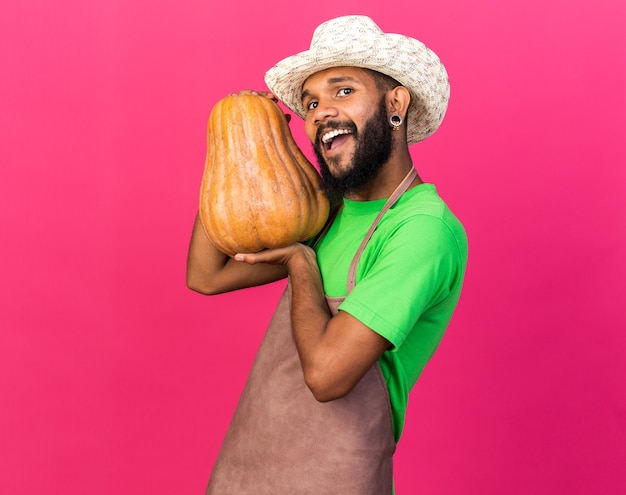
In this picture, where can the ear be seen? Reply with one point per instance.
(398, 101)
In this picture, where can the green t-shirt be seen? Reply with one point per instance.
(408, 279)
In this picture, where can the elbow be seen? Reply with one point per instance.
(197, 285)
(323, 387)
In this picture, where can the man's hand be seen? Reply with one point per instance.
(266, 94)
(279, 256)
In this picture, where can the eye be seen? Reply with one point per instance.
(312, 105)
(344, 91)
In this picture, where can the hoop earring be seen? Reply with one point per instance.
(396, 121)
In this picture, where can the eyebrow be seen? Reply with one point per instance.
(330, 81)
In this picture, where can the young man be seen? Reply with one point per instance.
(366, 307)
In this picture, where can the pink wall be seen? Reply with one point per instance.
(114, 378)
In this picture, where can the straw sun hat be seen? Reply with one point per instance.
(357, 41)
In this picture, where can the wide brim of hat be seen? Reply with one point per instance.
(405, 59)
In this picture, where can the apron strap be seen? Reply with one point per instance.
(395, 195)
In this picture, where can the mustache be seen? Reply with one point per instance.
(331, 125)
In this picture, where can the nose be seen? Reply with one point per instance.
(324, 111)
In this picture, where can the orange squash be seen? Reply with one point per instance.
(258, 189)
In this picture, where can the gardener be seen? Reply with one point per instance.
(366, 306)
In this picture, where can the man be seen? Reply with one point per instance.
(366, 307)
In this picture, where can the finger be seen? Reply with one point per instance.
(254, 258)
(266, 94)
(276, 256)
(246, 258)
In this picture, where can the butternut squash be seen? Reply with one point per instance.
(258, 189)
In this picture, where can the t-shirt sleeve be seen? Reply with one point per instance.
(416, 268)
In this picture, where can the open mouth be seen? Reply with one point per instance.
(332, 139)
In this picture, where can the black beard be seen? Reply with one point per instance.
(373, 149)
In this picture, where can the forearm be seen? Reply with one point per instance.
(329, 347)
(204, 260)
(209, 271)
(309, 314)
(335, 351)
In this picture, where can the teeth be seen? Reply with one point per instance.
(333, 134)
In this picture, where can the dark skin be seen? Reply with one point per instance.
(335, 351)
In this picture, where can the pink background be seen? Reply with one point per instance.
(115, 378)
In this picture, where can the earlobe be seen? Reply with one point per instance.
(396, 121)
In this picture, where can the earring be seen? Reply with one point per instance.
(396, 121)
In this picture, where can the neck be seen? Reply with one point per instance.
(388, 178)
